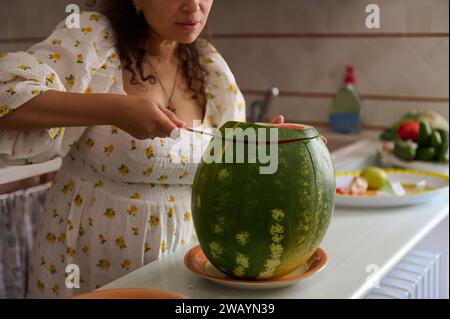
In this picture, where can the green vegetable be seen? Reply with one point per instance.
(389, 134)
(435, 120)
(405, 149)
(426, 154)
(424, 133)
(408, 116)
(436, 139)
(443, 151)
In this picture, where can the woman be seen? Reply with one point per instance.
(106, 97)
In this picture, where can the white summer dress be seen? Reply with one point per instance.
(117, 203)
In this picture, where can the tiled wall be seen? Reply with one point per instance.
(302, 47)
(23, 22)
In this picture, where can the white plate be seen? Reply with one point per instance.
(390, 159)
(436, 180)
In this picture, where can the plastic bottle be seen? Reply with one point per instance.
(346, 109)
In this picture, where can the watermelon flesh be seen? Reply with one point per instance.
(255, 226)
(285, 125)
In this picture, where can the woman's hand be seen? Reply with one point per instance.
(279, 119)
(144, 118)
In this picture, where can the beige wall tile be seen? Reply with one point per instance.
(386, 66)
(383, 66)
(230, 16)
(375, 113)
(32, 18)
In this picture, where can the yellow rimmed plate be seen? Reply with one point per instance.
(196, 261)
(437, 181)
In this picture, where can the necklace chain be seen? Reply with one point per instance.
(169, 97)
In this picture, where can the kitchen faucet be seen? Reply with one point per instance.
(258, 109)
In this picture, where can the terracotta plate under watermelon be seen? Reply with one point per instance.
(196, 261)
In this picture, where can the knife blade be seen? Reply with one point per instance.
(245, 141)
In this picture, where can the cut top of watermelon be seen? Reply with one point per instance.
(290, 126)
(286, 132)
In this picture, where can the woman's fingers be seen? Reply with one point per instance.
(172, 117)
(144, 118)
(166, 125)
(171, 123)
(279, 119)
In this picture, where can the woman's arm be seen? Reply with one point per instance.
(41, 113)
(140, 117)
(60, 109)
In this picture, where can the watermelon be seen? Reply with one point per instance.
(258, 226)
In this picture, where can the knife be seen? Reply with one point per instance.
(257, 142)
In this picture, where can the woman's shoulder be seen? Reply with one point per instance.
(228, 101)
(85, 41)
(89, 28)
(214, 62)
(209, 55)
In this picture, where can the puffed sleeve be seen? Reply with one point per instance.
(227, 101)
(65, 61)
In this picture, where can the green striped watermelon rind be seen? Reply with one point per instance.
(258, 227)
(287, 133)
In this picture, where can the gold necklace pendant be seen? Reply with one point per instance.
(152, 79)
(157, 79)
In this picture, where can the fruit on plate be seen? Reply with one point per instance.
(259, 226)
(358, 186)
(376, 177)
(368, 182)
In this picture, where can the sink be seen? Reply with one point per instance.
(337, 141)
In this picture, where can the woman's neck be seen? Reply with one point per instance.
(165, 50)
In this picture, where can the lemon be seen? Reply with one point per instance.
(375, 177)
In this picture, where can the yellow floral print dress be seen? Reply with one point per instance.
(117, 203)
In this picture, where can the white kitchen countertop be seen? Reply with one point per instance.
(355, 240)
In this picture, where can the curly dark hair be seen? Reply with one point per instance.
(131, 35)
